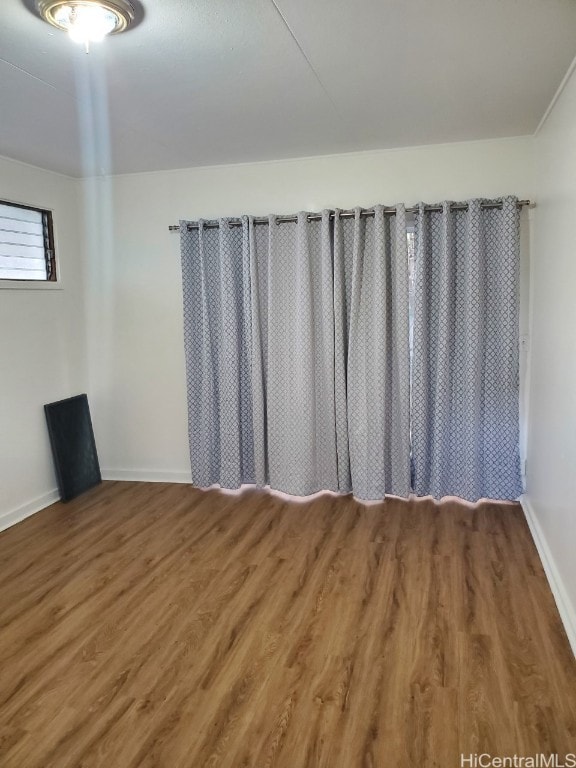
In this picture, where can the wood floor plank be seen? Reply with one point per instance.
(160, 625)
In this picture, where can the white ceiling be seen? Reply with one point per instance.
(201, 82)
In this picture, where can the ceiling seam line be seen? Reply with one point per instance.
(76, 98)
(34, 77)
(307, 60)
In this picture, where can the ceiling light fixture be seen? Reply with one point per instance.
(87, 21)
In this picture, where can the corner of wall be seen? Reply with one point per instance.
(566, 610)
(7, 519)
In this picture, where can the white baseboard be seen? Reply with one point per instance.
(565, 608)
(7, 519)
(147, 476)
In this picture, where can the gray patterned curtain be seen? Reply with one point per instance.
(464, 415)
(297, 351)
(371, 305)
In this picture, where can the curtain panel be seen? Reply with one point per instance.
(465, 380)
(297, 353)
(219, 358)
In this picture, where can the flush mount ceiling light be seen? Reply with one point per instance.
(87, 21)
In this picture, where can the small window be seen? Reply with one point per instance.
(26, 243)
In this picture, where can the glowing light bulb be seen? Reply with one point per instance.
(86, 24)
(87, 21)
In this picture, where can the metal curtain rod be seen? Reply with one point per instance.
(343, 215)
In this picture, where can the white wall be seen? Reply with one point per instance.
(135, 321)
(551, 470)
(41, 345)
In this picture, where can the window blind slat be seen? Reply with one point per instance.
(21, 227)
(29, 274)
(26, 251)
(29, 255)
(26, 239)
(21, 263)
(20, 214)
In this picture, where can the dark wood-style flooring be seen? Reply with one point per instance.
(159, 625)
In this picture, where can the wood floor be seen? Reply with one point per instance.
(158, 625)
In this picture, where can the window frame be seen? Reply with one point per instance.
(53, 281)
